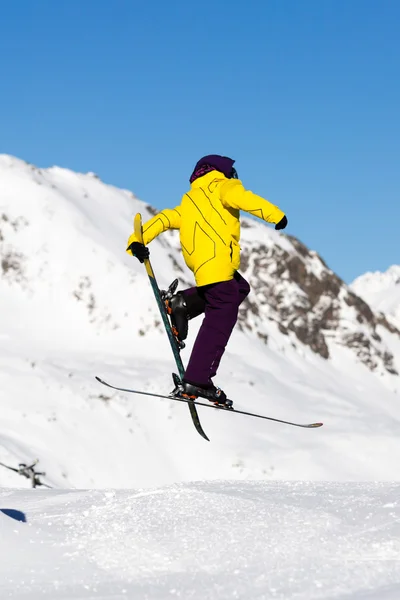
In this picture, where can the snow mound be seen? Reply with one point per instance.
(207, 541)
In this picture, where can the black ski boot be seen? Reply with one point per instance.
(176, 308)
(212, 393)
(178, 313)
(181, 308)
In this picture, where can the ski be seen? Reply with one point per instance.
(175, 346)
(209, 405)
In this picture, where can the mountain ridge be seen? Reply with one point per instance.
(382, 291)
(74, 304)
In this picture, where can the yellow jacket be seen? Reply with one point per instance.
(209, 224)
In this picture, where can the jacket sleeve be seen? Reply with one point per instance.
(234, 195)
(162, 221)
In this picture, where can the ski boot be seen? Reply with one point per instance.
(184, 389)
(177, 310)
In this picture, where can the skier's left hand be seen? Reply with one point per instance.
(282, 223)
(139, 250)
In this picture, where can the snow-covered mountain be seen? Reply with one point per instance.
(74, 305)
(294, 288)
(381, 291)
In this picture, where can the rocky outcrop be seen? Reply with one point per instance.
(294, 287)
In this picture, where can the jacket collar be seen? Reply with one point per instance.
(207, 178)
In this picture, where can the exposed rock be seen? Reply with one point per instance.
(12, 266)
(294, 287)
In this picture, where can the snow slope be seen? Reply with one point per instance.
(74, 305)
(381, 290)
(204, 540)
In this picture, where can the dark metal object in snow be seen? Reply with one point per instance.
(29, 472)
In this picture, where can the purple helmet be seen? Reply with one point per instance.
(214, 162)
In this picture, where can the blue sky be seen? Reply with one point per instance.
(305, 95)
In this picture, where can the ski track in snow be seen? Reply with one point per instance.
(203, 540)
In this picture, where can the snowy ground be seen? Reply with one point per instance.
(203, 540)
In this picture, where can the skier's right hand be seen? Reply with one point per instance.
(139, 250)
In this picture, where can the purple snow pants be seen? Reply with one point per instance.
(220, 303)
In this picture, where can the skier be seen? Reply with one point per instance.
(208, 218)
